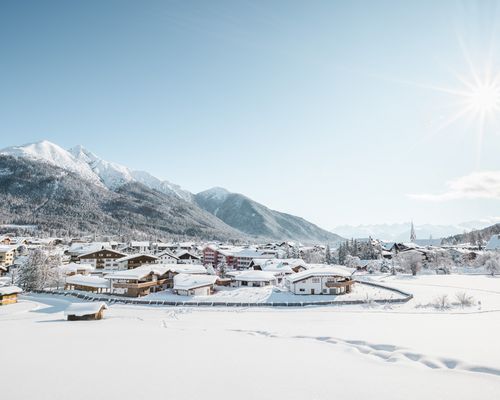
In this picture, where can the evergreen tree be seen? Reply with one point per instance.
(328, 255)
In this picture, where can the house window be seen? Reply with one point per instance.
(302, 290)
(315, 280)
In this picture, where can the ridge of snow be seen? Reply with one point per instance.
(111, 174)
(92, 168)
(114, 175)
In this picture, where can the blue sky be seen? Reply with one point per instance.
(323, 109)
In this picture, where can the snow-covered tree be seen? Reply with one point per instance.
(210, 269)
(351, 261)
(39, 270)
(328, 255)
(222, 268)
(490, 261)
(409, 261)
(440, 260)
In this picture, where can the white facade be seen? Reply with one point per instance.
(327, 280)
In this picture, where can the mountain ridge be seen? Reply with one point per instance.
(260, 223)
(253, 218)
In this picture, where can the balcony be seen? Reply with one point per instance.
(138, 285)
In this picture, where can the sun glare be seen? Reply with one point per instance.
(485, 98)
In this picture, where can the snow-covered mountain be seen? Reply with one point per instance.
(400, 232)
(162, 186)
(54, 155)
(112, 175)
(252, 218)
(92, 168)
(59, 201)
(219, 210)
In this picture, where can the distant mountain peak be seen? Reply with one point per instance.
(250, 217)
(216, 192)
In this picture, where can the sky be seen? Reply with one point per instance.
(342, 112)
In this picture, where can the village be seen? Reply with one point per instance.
(282, 273)
(408, 313)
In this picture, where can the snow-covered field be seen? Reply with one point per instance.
(353, 352)
(269, 294)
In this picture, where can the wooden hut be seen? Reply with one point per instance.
(85, 311)
(8, 294)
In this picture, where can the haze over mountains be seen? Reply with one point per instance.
(126, 200)
(400, 232)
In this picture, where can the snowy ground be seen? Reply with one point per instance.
(268, 294)
(353, 352)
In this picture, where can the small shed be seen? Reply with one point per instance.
(85, 311)
(8, 294)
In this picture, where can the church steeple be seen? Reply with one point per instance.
(413, 236)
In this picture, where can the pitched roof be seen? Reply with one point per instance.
(167, 253)
(81, 309)
(132, 256)
(193, 281)
(255, 276)
(6, 290)
(139, 272)
(319, 271)
(88, 280)
(74, 267)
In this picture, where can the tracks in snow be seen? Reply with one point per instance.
(387, 352)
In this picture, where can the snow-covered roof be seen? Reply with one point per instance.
(88, 280)
(276, 266)
(84, 248)
(336, 270)
(187, 268)
(249, 253)
(81, 309)
(6, 290)
(192, 281)
(7, 248)
(493, 243)
(139, 272)
(74, 267)
(133, 256)
(99, 250)
(139, 244)
(255, 276)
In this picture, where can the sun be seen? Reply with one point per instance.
(484, 98)
(476, 99)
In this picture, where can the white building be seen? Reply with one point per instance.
(105, 259)
(254, 278)
(186, 257)
(194, 285)
(320, 280)
(167, 257)
(76, 269)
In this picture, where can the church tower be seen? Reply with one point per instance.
(413, 236)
